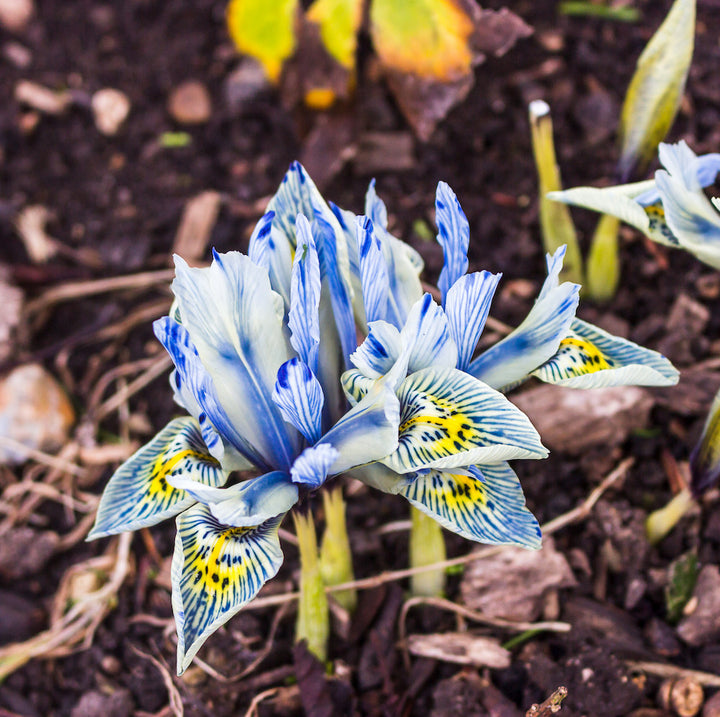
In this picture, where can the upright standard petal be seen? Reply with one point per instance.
(483, 503)
(378, 353)
(367, 432)
(216, 570)
(300, 398)
(235, 322)
(312, 466)
(427, 338)
(537, 338)
(304, 317)
(705, 458)
(373, 271)
(198, 395)
(404, 264)
(589, 357)
(140, 494)
(449, 419)
(467, 306)
(271, 249)
(453, 236)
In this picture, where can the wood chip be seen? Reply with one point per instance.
(30, 225)
(461, 648)
(42, 98)
(196, 225)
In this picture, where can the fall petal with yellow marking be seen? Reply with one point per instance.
(139, 494)
(216, 570)
(481, 503)
(450, 419)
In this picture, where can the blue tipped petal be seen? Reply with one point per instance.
(484, 503)
(426, 336)
(448, 419)
(373, 271)
(467, 305)
(592, 358)
(453, 236)
(270, 249)
(248, 503)
(140, 494)
(235, 322)
(303, 319)
(299, 397)
(404, 264)
(367, 432)
(537, 338)
(378, 353)
(311, 467)
(196, 390)
(216, 570)
(705, 458)
(334, 268)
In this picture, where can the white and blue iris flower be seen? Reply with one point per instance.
(268, 367)
(246, 372)
(671, 209)
(475, 492)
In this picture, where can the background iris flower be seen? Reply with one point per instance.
(672, 209)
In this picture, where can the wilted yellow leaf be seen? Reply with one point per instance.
(264, 29)
(339, 22)
(656, 88)
(428, 38)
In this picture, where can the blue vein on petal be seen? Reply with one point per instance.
(453, 236)
(311, 467)
(300, 398)
(373, 271)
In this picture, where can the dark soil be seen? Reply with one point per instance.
(123, 197)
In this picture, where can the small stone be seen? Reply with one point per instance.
(34, 412)
(25, 551)
(703, 625)
(190, 103)
(17, 54)
(15, 14)
(244, 84)
(91, 704)
(110, 109)
(42, 98)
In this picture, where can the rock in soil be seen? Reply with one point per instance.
(25, 551)
(34, 412)
(93, 704)
(702, 625)
(110, 109)
(190, 103)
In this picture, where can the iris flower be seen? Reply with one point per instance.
(672, 209)
(259, 344)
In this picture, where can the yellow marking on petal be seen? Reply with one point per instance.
(165, 465)
(658, 227)
(591, 357)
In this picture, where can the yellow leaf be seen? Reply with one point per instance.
(428, 38)
(265, 30)
(339, 22)
(656, 88)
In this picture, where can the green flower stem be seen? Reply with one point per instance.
(662, 521)
(556, 224)
(313, 620)
(603, 265)
(427, 546)
(335, 556)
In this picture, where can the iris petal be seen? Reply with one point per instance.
(299, 397)
(536, 339)
(235, 322)
(373, 271)
(381, 348)
(356, 385)
(216, 570)
(198, 395)
(303, 318)
(592, 358)
(311, 467)
(248, 503)
(270, 249)
(453, 236)
(139, 493)
(467, 305)
(427, 337)
(485, 503)
(367, 432)
(449, 419)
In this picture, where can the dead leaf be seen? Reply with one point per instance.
(461, 648)
(196, 225)
(512, 583)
